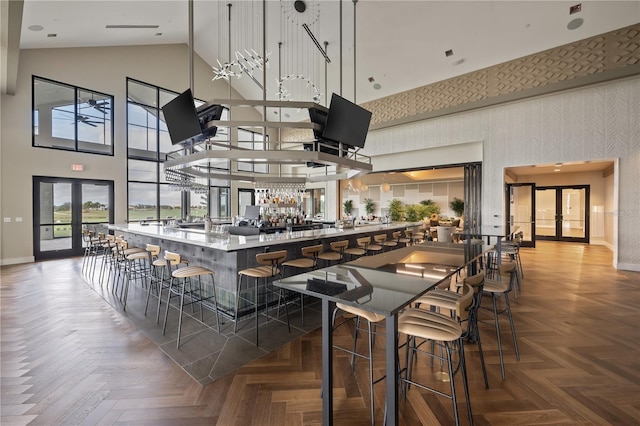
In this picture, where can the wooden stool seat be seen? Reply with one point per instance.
(260, 272)
(429, 325)
(368, 315)
(190, 271)
(336, 252)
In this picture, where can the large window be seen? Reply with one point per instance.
(150, 196)
(71, 118)
(252, 141)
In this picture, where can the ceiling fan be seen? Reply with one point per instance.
(102, 105)
(87, 120)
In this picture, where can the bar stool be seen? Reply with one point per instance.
(136, 266)
(184, 287)
(407, 240)
(509, 275)
(309, 260)
(440, 330)
(359, 250)
(393, 242)
(377, 246)
(270, 264)
(335, 253)
(122, 250)
(162, 282)
(462, 303)
(372, 318)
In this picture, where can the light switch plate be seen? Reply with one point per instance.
(18, 219)
(7, 219)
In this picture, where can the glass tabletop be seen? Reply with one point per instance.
(385, 291)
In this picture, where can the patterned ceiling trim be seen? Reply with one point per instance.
(545, 71)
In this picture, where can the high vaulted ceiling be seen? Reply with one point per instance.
(399, 45)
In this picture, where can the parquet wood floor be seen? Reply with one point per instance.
(68, 357)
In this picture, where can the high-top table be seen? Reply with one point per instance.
(385, 284)
(500, 233)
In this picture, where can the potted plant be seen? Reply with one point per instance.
(347, 206)
(457, 205)
(396, 210)
(369, 206)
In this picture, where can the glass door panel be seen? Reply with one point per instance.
(95, 203)
(573, 213)
(546, 212)
(55, 216)
(520, 211)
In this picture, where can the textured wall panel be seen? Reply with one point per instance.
(583, 58)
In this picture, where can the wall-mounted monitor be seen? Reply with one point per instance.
(205, 115)
(319, 117)
(346, 122)
(184, 122)
(181, 118)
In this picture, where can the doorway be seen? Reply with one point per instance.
(562, 213)
(521, 211)
(62, 207)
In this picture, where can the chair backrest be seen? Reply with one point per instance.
(312, 251)
(464, 304)
(509, 270)
(363, 242)
(339, 246)
(397, 235)
(154, 251)
(172, 258)
(271, 258)
(380, 238)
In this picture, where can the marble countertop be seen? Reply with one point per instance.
(228, 242)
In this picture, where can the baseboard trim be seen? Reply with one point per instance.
(17, 260)
(628, 267)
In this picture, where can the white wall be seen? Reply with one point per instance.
(593, 123)
(102, 69)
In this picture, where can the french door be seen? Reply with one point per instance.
(62, 207)
(521, 211)
(562, 213)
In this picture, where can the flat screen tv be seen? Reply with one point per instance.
(181, 118)
(212, 112)
(346, 122)
(319, 117)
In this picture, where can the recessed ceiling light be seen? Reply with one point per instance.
(36, 27)
(448, 53)
(158, 34)
(371, 79)
(556, 170)
(575, 24)
(575, 8)
(377, 86)
(52, 35)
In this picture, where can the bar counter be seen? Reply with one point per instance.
(227, 254)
